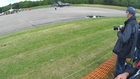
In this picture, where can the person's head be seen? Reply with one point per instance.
(130, 11)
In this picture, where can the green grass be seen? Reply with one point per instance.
(43, 6)
(58, 50)
(105, 6)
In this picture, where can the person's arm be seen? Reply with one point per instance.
(125, 36)
(123, 76)
(127, 74)
(132, 71)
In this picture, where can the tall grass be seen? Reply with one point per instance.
(58, 50)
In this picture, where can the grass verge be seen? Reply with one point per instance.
(105, 6)
(44, 6)
(58, 50)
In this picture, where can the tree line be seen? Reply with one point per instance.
(27, 4)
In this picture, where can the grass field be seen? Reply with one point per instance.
(105, 6)
(44, 6)
(58, 50)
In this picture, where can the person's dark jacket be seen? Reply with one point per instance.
(125, 38)
(133, 72)
(125, 34)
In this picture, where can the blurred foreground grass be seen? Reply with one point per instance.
(58, 50)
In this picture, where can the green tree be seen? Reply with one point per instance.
(27, 4)
(90, 1)
(99, 1)
(108, 2)
(21, 4)
(137, 3)
(96, 1)
(73, 1)
(83, 1)
(45, 2)
(132, 2)
(6, 8)
(124, 3)
(117, 2)
(16, 6)
(0, 9)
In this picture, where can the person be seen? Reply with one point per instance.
(55, 8)
(135, 72)
(131, 74)
(123, 36)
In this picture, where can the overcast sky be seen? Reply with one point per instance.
(6, 2)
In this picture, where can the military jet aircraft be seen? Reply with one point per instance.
(60, 4)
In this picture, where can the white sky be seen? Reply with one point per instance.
(6, 2)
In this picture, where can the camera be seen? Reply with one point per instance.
(121, 27)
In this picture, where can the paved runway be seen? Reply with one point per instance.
(29, 19)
